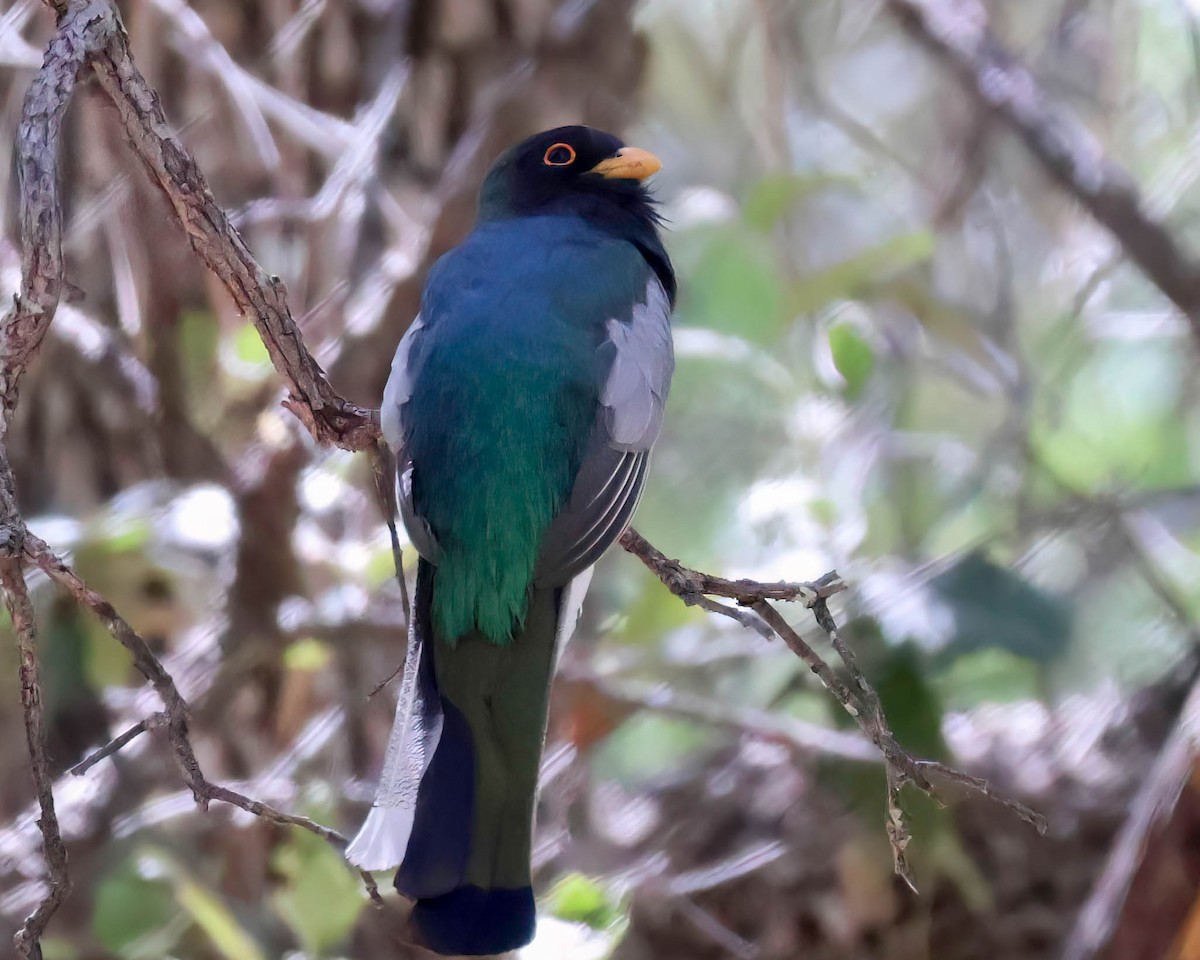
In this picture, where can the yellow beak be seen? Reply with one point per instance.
(630, 163)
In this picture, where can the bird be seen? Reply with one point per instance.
(522, 407)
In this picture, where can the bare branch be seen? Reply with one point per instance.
(90, 31)
(797, 735)
(982, 787)
(960, 38)
(258, 296)
(21, 333)
(81, 32)
(54, 853)
(152, 722)
(860, 701)
(688, 584)
(203, 790)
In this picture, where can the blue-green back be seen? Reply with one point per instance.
(505, 394)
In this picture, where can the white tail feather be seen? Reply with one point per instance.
(383, 838)
(571, 608)
(381, 841)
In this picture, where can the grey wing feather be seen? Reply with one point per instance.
(396, 394)
(399, 386)
(638, 356)
(635, 392)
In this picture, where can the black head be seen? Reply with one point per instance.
(567, 170)
(580, 171)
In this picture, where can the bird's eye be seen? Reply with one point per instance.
(559, 155)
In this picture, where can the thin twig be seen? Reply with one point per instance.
(716, 931)
(688, 584)
(982, 787)
(861, 702)
(747, 618)
(385, 681)
(259, 296)
(203, 790)
(145, 662)
(54, 853)
(383, 468)
(897, 828)
(800, 737)
(152, 722)
(900, 767)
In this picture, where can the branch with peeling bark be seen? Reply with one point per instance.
(90, 35)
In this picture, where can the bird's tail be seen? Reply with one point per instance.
(456, 800)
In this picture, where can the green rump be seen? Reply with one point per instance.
(512, 365)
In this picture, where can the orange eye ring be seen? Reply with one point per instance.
(554, 155)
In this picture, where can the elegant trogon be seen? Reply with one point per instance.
(522, 406)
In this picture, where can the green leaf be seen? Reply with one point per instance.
(199, 337)
(582, 900)
(307, 654)
(215, 919)
(993, 607)
(774, 195)
(55, 948)
(321, 900)
(124, 534)
(249, 347)
(910, 703)
(736, 287)
(380, 567)
(988, 676)
(853, 358)
(1121, 423)
(652, 612)
(860, 275)
(244, 356)
(132, 915)
(647, 746)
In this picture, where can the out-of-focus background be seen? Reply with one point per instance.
(904, 353)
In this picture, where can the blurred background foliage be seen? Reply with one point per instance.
(903, 353)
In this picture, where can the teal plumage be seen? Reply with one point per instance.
(523, 404)
(514, 369)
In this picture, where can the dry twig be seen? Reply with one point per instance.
(20, 609)
(90, 33)
(861, 701)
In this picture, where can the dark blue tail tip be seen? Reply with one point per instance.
(473, 922)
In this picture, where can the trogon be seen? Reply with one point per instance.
(522, 406)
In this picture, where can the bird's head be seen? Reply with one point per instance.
(578, 171)
(570, 170)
